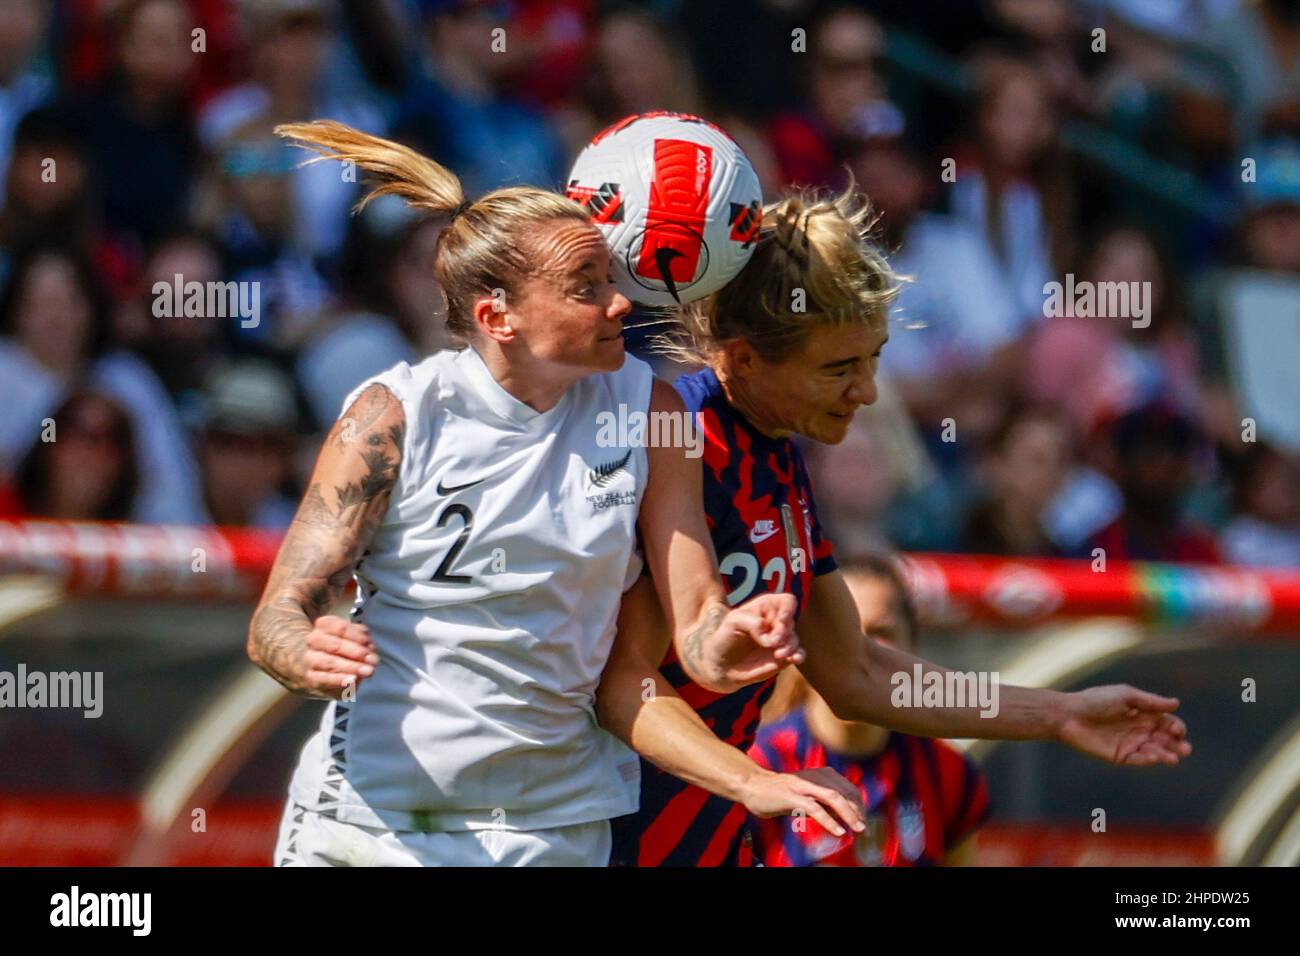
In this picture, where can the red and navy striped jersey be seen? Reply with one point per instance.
(923, 798)
(759, 505)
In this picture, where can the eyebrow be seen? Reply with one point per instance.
(852, 359)
(583, 266)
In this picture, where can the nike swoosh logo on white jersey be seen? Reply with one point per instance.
(446, 490)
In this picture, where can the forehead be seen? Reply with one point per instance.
(831, 342)
(567, 246)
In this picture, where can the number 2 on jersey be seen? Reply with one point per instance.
(443, 575)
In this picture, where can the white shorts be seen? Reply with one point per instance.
(309, 839)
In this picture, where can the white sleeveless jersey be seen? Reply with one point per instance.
(491, 589)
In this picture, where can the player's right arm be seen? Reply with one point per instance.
(291, 637)
(636, 704)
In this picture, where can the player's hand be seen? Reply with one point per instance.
(820, 793)
(754, 641)
(1124, 725)
(338, 657)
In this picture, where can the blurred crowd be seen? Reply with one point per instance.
(1003, 143)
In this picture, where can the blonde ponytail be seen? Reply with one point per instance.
(400, 170)
(486, 245)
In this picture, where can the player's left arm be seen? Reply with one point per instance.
(1117, 723)
(721, 649)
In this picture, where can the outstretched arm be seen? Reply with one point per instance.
(720, 649)
(291, 637)
(636, 704)
(1119, 724)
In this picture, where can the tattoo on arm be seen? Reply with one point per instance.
(693, 643)
(361, 416)
(339, 513)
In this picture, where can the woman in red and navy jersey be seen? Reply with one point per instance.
(759, 507)
(924, 798)
(790, 347)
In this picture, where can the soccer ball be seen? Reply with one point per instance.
(677, 200)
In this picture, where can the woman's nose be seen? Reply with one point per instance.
(619, 306)
(864, 390)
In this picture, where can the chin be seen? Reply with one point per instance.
(830, 432)
(605, 358)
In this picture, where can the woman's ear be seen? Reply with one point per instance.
(742, 361)
(493, 317)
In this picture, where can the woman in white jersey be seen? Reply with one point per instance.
(492, 535)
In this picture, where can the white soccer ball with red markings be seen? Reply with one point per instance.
(677, 200)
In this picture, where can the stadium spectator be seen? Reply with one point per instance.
(84, 466)
(251, 212)
(137, 130)
(85, 31)
(1011, 183)
(845, 105)
(180, 348)
(664, 80)
(1266, 493)
(955, 321)
(291, 39)
(1024, 467)
(59, 322)
(418, 305)
(1261, 44)
(742, 51)
(1099, 366)
(1270, 226)
(1182, 22)
(24, 85)
(247, 446)
(389, 307)
(1153, 450)
(50, 198)
(924, 799)
(555, 35)
(458, 102)
(54, 323)
(1250, 337)
(1162, 83)
(1054, 36)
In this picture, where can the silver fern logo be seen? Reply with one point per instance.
(602, 475)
